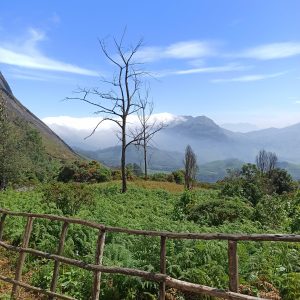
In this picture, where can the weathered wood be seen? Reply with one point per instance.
(57, 263)
(25, 242)
(163, 267)
(97, 268)
(171, 235)
(98, 261)
(2, 220)
(202, 289)
(156, 277)
(233, 266)
(35, 289)
(54, 218)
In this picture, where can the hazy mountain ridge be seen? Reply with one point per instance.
(167, 161)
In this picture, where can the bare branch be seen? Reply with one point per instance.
(99, 123)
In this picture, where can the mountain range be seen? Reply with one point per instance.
(217, 148)
(209, 141)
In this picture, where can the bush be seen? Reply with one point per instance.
(281, 181)
(270, 211)
(69, 198)
(178, 176)
(160, 177)
(90, 171)
(218, 211)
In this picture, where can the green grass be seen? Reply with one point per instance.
(149, 207)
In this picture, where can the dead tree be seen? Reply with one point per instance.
(147, 129)
(190, 166)
(122, 98)
(266, 161)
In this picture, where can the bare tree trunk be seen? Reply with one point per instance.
(145, 162)
(123, 159)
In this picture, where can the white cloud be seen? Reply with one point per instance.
(89, 123)
(180, 50)
(272, 51)
(248, 78)
(191, 49)
(214, 69)
(26, 54)
(36, 75)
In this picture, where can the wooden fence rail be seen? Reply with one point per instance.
(97, 268)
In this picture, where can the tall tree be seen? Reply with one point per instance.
(266, 161)
(122, 98)
(190, 166)
(147, 129)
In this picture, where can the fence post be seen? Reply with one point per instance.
(57, 263)
(233, 266)
(162, 286)
(98, 261)
(25, 242)
(2, 225)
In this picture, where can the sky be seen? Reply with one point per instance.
(233, 61)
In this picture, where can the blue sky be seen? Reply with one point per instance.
(233, 61)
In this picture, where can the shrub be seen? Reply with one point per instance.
(159, 177)
(178, 176)
(270, 211)
(78, 171)
(68, 197)
(217, 211)
(281, 181)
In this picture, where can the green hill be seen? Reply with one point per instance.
(54, 145)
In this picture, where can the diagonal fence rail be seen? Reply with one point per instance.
(97, 268)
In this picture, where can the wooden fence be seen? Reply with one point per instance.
(97, 268)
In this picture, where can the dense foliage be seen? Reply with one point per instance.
(23, 159)
(84, 171)
(264, 267)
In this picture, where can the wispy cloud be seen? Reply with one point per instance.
(272, 51)
(212, 69)
(26, 54)
(181, 50)
(36, 75)
(249, 78)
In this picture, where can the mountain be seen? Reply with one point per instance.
(217, 170)
(239, 127)
(54, 145)
(212, 142)
(159, 160)
(168, 161)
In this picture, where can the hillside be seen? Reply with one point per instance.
(159, 160)
(54, 145)
(166, 161)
